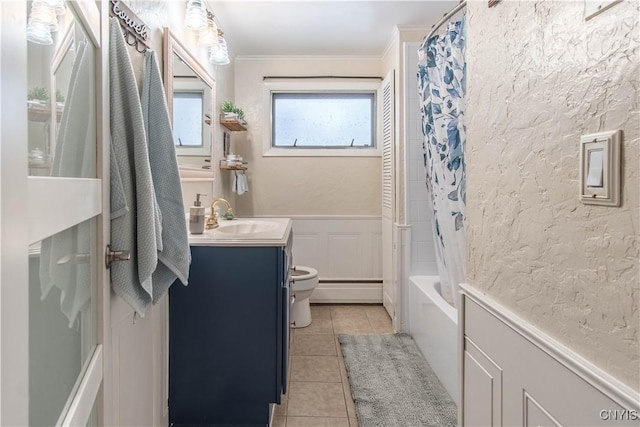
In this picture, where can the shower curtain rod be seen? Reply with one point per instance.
(445, 18)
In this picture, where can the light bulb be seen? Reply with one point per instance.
(57, 5)
(219, 53)
(210, 36)
(196, 17)
(39, 32)
(42, 20)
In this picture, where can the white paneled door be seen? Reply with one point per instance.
(53, 196)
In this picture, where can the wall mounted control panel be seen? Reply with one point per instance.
(600, 168)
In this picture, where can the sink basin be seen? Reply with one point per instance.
(247, 227)
(245, 232)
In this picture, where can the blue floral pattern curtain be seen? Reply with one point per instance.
(441, 90)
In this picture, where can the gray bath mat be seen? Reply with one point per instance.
(393, 385)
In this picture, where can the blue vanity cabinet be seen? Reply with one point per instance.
(229, 336)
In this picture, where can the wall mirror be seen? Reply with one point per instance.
(190, 93)
(57, 64)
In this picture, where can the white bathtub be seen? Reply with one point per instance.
(433, 323)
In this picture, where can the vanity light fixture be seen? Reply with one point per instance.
(58, 8)
(219, 53)
(210, 36)
(196, 16)
(43, 20)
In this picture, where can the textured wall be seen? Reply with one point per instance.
(301, 185)
(539, 76)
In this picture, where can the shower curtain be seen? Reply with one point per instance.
(441, 91)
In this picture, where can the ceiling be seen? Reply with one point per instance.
(330, 27)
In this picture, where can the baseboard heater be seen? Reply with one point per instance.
(350, 281)
(348, 291)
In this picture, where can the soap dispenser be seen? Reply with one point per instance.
(196, 216)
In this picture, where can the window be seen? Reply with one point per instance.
(321, 118)
(192, 127)
(187, 119)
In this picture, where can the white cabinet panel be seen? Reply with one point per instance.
(535, 415)
(478, 394)
(481, 368)
(568, 389)
(133, 371)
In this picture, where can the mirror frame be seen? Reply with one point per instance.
(171, 46)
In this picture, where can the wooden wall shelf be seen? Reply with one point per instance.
(233, 124)
(42, 112)
(233, 168)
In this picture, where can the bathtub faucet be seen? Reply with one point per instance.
(212, 221)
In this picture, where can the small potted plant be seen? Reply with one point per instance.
(227, 109)
(231, 111)
(38, 95)
(59, 98)
(238, 111)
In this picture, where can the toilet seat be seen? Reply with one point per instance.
(299, 273)
(303, 278)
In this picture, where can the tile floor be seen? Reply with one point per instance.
(318, 394)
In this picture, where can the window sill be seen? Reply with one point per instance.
(322, 152)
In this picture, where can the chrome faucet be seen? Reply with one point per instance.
(212, 221)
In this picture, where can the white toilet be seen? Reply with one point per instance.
(303, 281)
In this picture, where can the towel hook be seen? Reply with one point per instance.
(144, 48)
(128, 36)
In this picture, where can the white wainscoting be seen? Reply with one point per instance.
(346, 251)
(514, 374)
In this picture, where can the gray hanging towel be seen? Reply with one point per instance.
(174, 257)
(135, 217)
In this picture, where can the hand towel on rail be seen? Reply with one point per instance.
(243, 184)
(174, 256)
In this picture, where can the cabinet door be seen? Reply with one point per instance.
(285, 318)
(225, 337)
(286, 295)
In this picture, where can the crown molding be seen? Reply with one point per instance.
(423, 28)
(395, 37)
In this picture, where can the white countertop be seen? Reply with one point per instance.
(276, 233)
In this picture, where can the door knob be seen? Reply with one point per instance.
(113, 256)
(75, 259)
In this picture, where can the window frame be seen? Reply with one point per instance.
(195, 84)
(177, 95)
(313, 86)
